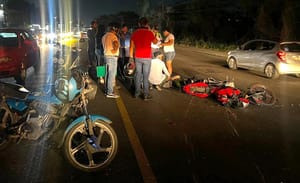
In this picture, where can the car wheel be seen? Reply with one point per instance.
(271, 72)
(232, 63)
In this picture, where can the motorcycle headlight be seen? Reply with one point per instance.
(74, 90)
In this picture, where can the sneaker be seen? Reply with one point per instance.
(147, 97)
(158, 88)
(112, 96)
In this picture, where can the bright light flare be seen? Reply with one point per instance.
(283, 67)
(57, 19)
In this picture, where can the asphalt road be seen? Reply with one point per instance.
(180, 138)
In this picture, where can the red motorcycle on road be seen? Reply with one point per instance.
(228, 95)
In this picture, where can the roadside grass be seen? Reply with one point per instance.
(200, 43)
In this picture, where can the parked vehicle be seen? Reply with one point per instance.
(89, 142)
(18, 51)
(269, 57)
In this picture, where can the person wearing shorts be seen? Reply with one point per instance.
(168, 47)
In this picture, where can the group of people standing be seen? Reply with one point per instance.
(143, 49)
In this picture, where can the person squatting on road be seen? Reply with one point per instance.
(169, 50)
(140, 49)
(111, 45)
(158, 73)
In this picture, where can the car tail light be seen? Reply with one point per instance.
(281, 55)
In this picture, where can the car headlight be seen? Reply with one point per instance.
(5, 59)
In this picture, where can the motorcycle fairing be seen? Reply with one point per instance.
(47, 99)
(16, 105)
(73, 89)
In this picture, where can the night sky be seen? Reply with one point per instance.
(90, 9)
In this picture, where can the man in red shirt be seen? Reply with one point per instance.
(140, 49)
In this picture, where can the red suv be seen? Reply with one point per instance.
(18, 51)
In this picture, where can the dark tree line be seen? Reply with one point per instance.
(236, 20)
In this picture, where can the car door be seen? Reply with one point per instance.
(264, 54)
(243, 55)
(256, 56)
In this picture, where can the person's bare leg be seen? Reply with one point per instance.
(169, 66)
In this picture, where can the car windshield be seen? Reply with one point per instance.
(8, 39)
(290, 47)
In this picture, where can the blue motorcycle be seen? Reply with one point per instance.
(89, 142)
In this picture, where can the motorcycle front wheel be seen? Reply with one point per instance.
(261, 95)
(77, 147)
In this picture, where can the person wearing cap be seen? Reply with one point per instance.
(111, 45)
(140, 49)
(168, 47)
(159, 73)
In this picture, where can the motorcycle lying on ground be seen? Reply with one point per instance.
(228, 95)
(89, 142)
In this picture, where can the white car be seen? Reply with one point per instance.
(269, 57)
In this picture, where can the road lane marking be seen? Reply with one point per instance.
(139, 152)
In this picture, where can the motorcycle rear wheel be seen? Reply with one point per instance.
(261, 95)
(76, 147)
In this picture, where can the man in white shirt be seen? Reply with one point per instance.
(158, 72)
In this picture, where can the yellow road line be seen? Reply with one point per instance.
(139, 152)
